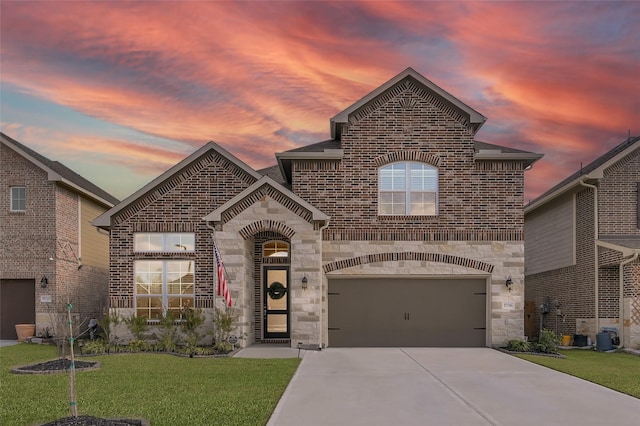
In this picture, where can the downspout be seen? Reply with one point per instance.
(621, 307)
(595, 249)
(213, 232)
(322, 228)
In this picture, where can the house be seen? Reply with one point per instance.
(400, 230)
(51, 254)
(582, 240)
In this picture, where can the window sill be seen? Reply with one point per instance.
(403, 218)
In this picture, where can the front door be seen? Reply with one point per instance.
(276, 302)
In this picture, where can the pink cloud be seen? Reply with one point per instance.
(250, 75)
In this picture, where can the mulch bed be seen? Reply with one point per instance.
(60, 365)
(556, 355)
(96, 421)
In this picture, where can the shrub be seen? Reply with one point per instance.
(168, 330)
(191, 320)
(223, 321)
(548, 342)
(138, 326)
(93, 347)
(518, 346)
(108, 323)
(139, 346)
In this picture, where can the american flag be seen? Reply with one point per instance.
(222, 281)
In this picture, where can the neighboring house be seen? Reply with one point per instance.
(401, 230)
(582, 240)
(51, 253)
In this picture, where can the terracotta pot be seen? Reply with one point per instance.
(25, 331)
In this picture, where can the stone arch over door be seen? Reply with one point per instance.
(261, 226)
(408, 255)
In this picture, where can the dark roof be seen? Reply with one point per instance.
(335, 144)
(505, 149)
(274, 173)
(628, 241)
(318, 146)
(592, 166)
(63, 171)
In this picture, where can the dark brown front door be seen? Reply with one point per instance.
(276, 302)
(17, 306)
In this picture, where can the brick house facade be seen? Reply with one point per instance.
(319, 251)
(582, 240)
(52, 255)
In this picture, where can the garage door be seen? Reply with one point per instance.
(407, 312)
(17, 306)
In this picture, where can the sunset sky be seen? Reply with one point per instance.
(119, 92)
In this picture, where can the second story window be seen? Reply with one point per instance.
(18, 200)
(408, 188)
(164, 242)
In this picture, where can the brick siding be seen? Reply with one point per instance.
(476, 199)
(47, 229)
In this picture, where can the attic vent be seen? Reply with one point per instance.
(407, 103)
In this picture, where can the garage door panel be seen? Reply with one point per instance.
(407, 312)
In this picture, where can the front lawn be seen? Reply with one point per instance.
(164, 389)
(619, 371)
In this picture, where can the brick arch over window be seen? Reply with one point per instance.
(266, 226)
(408, 255)
(422, 157)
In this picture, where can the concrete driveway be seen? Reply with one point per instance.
(442, 386)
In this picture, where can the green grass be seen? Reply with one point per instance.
(619, 371)
(165, 389)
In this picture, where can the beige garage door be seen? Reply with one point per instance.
(407, 312)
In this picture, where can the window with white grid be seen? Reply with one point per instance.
(408, 188)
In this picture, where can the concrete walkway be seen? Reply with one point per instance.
(442, 386)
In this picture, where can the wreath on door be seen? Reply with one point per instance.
(276, 290)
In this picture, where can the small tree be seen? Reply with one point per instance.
(223, 320)
(191, 320)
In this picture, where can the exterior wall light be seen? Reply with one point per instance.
(44, 282)
(509, 283)
(304, 282)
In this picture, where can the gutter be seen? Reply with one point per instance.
(595, 248)
(621, 303)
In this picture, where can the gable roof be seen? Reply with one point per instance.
(104, 220)
(58, 172)
(592, 171)
(475, 119)
(315, 214)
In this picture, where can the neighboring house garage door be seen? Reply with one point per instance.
(407, 312)
(17, 306)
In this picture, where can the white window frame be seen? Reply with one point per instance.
(166, 276)
(404, 188)
(13, 198)
(168, 242)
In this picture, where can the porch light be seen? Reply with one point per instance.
(509, 283)
(304, 282)
(43, 282)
